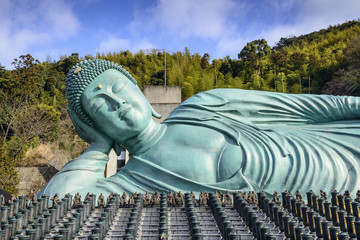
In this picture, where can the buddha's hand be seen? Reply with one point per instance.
(97, 140)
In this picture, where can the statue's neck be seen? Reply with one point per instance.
(146, 139)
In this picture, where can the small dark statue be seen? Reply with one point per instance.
(55, 199)
(101, 201)
(276, 198)
(77, 201)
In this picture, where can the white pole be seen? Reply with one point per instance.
(165, 67)
(215, 75)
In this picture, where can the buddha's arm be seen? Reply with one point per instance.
(79, 173)
(312, 108)
(84, 171)
(271, 108)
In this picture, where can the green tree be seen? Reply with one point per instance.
(298, 59)
(187, 89)
(66, 62)
(258, 47)
(5, 81)
(205, 61)
(347, 79)
(278, 60)
(3, 72)
(25, 79)
(9, 112)
(8, 175)
(311, 68)
(158, 78)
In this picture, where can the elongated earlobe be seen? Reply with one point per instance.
(154, 113)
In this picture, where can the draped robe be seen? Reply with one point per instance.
(287, 141)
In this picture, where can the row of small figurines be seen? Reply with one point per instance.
(176, 199)
(173, 198)
(323, 195)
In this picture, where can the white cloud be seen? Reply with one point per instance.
(191, 18)
(143, 44)
(299, 18)
(114, 44)
(228, 47)
(273, 35)
(27, 24)
(181, 22)
(313, 16)
(195, 17)
(326, 12)
(280, 5)
(62, 21)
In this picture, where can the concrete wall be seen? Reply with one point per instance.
(163, 94)
(163, 99)
(111, 164)
(164, 110)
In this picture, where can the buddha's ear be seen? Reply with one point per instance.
(154, 113)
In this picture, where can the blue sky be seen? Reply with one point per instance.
(219, 27)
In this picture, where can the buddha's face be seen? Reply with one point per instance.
(116, 105)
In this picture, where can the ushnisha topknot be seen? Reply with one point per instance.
(79, 77)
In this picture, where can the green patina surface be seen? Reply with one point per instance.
(223, 139)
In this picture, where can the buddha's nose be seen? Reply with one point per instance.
(121, 102)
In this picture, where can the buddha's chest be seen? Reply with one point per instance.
(190, 151)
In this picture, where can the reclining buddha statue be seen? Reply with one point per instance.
(219, 140)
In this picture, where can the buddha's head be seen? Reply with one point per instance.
(104, 95)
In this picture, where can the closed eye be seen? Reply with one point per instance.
(97, 104)
(118, 85)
